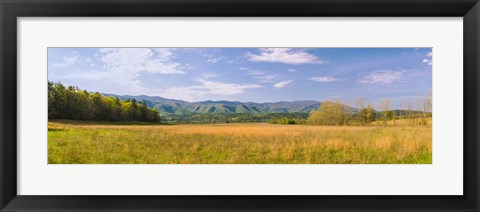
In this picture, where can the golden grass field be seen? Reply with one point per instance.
(86, 143)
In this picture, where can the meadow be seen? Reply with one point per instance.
(75, 142)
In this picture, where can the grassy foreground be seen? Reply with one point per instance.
(90, 143)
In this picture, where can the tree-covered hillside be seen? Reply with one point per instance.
(168, 107)
(76, 104)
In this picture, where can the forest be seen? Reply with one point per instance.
(76, 104)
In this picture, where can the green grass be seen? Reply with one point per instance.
(76, 122)
(104, 143)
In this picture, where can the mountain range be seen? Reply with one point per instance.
(172, 106)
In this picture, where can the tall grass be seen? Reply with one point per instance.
(80, 143)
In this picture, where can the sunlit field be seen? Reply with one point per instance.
(71, 142)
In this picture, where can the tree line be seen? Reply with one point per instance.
(76, 104)
(214, 118)
(286, 120)
(340, 113)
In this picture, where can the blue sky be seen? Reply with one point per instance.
(248, 74)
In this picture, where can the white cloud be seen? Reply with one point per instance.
(243, 68)
(214, 59)
(67, 61)
(209, 75)
(265, 78)
(159, 67)
(84, 75)
(107, 50)
(323, 79)
(234, 61)
(292, 70)
(163, 54)
(260, 75)
(183, 93)
(225, 88)
(381, 77)
(282, 84)
(284, 55)
(124, 66)
(255, 73)
(212, 55)
(428, 60)
(119, 69)
(134, 61)
(198, 92)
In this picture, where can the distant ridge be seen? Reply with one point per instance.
(172, 106)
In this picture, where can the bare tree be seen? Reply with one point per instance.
(408, 113)
(360, 106)
(418, 108)
(427, 107)
(385, 106)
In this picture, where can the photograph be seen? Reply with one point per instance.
(236, 105)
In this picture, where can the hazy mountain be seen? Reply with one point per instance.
(172, 106)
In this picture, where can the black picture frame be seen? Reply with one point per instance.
(11, 9)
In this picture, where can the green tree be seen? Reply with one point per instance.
(330, 113)
(101, 111)
(52, 112)
(73, 103)
(366, 115)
